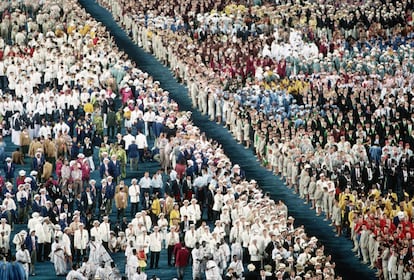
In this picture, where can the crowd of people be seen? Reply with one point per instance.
(321, 93)
(62, 79)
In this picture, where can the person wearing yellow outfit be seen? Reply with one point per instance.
(407, 205)
(88, 107)
(346, 195)
(155, 208)
(71, 28)
(83, 30)
(175, 215)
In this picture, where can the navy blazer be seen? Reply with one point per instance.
(9, 174)
(84, 198)
(36, 166)
(114, 169)
(133, 151)
(29, 244)
(36, 207)
(102, 170)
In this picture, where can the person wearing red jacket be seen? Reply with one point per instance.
(181, 259)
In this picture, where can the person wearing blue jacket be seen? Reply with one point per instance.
(133, 155)
(32, 245)
(9, 169)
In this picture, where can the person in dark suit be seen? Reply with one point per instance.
(47, 211)
(269, 249)
(36, 207)
(210, 202)
(146, 201)
(88, 200)
(37, 164)
(114, 167)
(110, 123)
(230, 274)
(268, 275)
(53, 188)
(102, 200)
(9, 169)
(104, 168)
(33, 246)
(356, 175)
(133, 155)
(78, 204)
(198, 167)
(185, 225)
(120, 141)
(251, 274)
(403, 181)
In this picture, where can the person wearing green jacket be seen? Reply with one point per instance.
(122, 157)
(118, 119)
(98, 125)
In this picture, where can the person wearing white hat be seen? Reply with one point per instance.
(10, 207)
(41, 237)
(218, 204)
(5, 238)
(57, 256)
(304, 182)
(5, 227)
(104, 231)
(155, 244)
(237, 172)
(172, 239)
(186, 210)
(23, 256)
(22, 198)
(80, 242)
(196, 211)
(251, 273)
(113, 245)
(9, 169)
(49, 232)
(134, 196)
(36, 204)
(255, 251)
(19, 238)
(38, 163)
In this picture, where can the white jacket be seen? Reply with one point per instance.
(67, 243)
(104, 231)
(144, 241)
(49, 231)
(172, 239)
(40, 233)
(6, 228)
(187, 211)
(196, 212)
(155, 242)
(95, 232)
(81, 239)
(190, 238)
(218, 202)
(134, 192)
